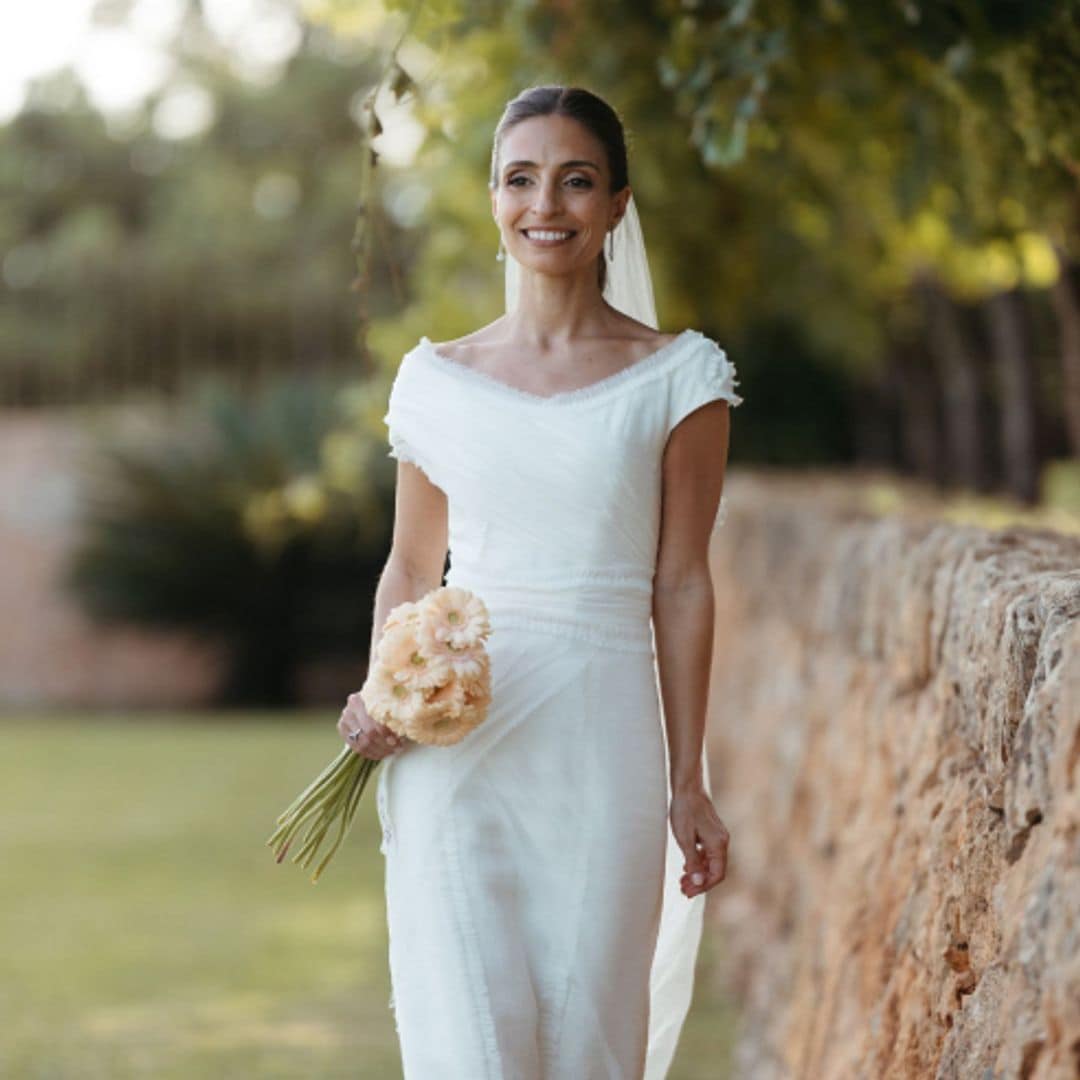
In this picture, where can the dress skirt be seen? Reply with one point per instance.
(524, 869)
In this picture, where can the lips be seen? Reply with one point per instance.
(548, 242)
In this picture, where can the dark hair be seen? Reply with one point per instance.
(590, 111)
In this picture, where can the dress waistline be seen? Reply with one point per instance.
(604, 608)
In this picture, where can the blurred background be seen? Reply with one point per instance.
(223, 222)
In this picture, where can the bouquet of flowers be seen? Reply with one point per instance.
(431, 682)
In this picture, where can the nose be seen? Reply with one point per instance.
(548, 197)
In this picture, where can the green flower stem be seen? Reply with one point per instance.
(323, 783)
(289, 832)
(326, 791)
(319, 827)
(330, 799)
(310, 849)
(292, 820)
(351, 801)
(310, 845)
(329, 776)
(294, 827)
(319, 824)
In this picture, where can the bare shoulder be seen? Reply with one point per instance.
(632, 339)
(652, 339)
(637, 348)
(462, 348)
(660, 340)
(637, 334)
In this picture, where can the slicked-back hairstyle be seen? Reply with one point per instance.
(592, 112)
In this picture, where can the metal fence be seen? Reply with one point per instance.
(104, 333)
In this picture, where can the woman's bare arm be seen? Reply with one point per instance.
(418, 549)
(694, 463)
(683, 612)
(414, 567)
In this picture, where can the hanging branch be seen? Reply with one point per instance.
(400, 83)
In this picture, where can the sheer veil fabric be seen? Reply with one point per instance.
(628, 287)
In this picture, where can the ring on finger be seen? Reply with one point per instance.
(353, 735)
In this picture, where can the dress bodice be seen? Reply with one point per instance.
(560, 490)
(558, 485)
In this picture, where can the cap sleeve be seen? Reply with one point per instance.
(405, 421)
(705, 375)
(396, 421)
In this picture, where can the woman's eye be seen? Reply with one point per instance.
(585, 182)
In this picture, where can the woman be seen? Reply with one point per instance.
(572, 459)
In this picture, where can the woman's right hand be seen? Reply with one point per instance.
(371, 739)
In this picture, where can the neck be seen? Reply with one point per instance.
(553, 310)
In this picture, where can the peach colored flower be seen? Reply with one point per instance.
(448, 698)
(477, 685)
(406, 611)
(400, 651)
(452, 621)
(431, 679)
(446, 720)
(389, 701)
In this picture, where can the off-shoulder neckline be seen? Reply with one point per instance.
(580, 393)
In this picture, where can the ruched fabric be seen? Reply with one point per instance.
(537, 928)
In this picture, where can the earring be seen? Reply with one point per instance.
(611, 245)
(500, 255)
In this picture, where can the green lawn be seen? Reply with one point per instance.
(148, 931)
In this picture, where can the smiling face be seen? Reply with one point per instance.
(552, 202)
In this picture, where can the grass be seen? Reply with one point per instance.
(148, 931)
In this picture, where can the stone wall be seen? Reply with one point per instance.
(894, 740)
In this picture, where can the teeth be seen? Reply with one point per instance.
(541, 234)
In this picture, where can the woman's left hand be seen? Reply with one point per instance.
(703, 838)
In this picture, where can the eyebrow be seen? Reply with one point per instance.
(565, 165)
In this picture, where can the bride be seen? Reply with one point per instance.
(545, 877)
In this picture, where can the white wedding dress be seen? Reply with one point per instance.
(537, 929)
